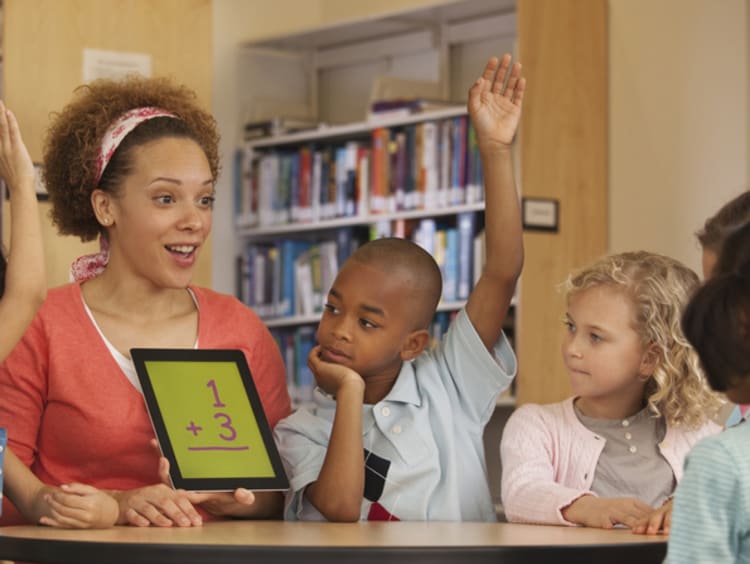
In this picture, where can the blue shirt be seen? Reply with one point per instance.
(423, 448)
(711, 514)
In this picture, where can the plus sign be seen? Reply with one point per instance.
(193, 428)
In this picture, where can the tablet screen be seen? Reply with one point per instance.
(209, 419)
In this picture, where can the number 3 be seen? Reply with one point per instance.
(226, 425)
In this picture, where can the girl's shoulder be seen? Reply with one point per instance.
(549, 415)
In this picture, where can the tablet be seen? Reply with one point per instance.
(209, 419)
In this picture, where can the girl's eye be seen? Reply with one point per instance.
(208, 202)
(330, 308)
(367, 324)
(595, 338)
(569, 326)
(165, 199)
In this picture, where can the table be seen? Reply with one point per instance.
(310, 543)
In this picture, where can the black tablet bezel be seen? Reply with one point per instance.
(140, 356)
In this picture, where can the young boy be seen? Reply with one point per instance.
(397, 429)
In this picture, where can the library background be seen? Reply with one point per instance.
(353, 128)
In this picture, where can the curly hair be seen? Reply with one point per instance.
(72, 143)
(659, 288)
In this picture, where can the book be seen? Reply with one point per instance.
(466, 227)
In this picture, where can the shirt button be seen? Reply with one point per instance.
(396, 429)
(633, 449)
(386, 411)
(628, 436)
(625, 423)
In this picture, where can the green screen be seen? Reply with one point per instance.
(209, 420)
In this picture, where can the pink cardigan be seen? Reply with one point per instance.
(72, 415)
(549, 458)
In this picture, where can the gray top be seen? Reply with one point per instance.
(631, 464)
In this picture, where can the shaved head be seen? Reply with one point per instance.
(416, 269)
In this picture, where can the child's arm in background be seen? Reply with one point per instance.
(71, 506)
(495, 111)
(338, 491)
(25, 280)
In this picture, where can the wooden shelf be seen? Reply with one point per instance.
(393, 23)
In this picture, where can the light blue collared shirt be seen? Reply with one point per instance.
(423, 440)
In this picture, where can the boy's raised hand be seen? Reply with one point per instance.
(495, 107)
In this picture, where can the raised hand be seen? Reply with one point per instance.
(495, 107)
(329, 376)
(16, 167)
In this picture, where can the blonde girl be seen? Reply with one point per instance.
(613, 452)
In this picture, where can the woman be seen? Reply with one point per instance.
(134, 163)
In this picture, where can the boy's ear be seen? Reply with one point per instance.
(414, 344)
(650, 360)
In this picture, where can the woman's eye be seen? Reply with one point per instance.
(367, 324)
(208, 202)
(165, 199)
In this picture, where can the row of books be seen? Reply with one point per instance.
(427, 165)
(297, 342)
(292, 276)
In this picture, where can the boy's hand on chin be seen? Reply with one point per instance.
(329, 376)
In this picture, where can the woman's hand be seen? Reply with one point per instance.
(157, 505)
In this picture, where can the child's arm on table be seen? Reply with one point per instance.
(72, 506)
(495, 111)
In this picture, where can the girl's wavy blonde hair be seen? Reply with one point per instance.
(659, 288)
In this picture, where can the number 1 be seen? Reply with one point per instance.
(217, 403)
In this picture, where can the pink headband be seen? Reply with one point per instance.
(90, 266)
(119, 129)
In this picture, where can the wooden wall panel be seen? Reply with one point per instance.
(43, 56)
(564, 150)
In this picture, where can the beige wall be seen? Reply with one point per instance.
(43, 53)
(678, 119)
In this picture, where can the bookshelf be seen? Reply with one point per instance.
(327, 73)
(417, 176)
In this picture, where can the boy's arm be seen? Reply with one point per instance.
(25, 280)
(338, 491)
(495, 110)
